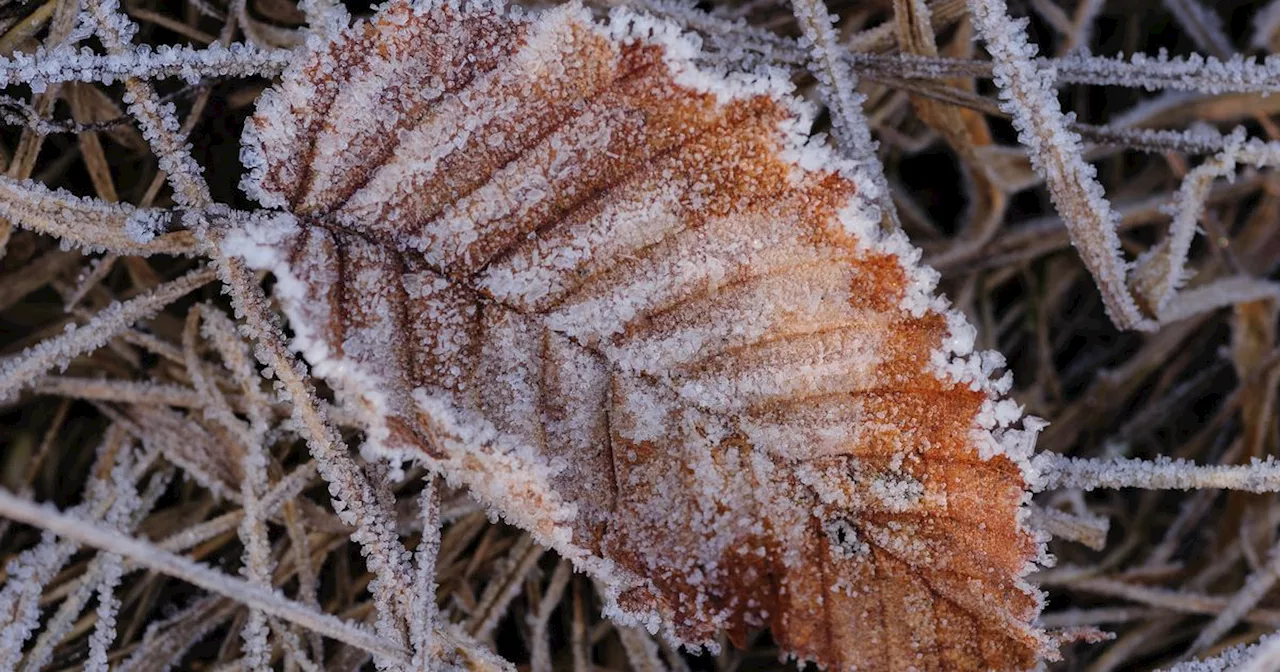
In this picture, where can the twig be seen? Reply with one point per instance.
(839, 91)
(151, 557)
(1161, 473)
(21, 371)
(1056, 153)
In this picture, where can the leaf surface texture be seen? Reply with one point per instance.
(633, 309)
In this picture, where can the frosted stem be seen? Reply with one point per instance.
(1203, 25)
(67, 64)
(1162, 473)
(22, 370)
(151, 557)
(1250, 594)
(375, 529)
(354, 498)
(1056, 153)
(1090, 530)
(839, 86)
(423, 618)
(89, 223)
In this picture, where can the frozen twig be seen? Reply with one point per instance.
(111, 571)
(1255, 588)
(238, 358)
(68, 64)
(540, 657)
(186, 443)
(1218, 294)
(1159, 273)
(641, 650)
(258, 563)
(257, 554)
(169, 639)
(1200, 74)
(423, 617)
(105, 569)
(22, 370)
(839, 86)
(1161, 473)
(89, 223)
(839, 90)
(292, 644)
(119, 391)
(113, 498)
(1057, 154)
(503, 589)
(285, 490)
(1265, 24)
(1152, 72)
(1090, 530)
(354, 498)
(1203, 25)
(1261, 656)
(156, 119)
(1179, 601)
(1074, 618)
(147, 555)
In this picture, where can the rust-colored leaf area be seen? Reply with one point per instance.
(635, 311)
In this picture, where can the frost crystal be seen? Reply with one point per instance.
(632, 307)
(142, 226)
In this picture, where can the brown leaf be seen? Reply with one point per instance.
(627, 305)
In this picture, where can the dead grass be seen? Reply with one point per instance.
(164, 411)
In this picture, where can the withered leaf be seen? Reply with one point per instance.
(632, 308)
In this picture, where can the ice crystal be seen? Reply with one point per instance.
(632, 307)
(43, 67)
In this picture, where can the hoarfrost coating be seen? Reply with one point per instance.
(632, 306)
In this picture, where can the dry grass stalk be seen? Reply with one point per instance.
(165, 388)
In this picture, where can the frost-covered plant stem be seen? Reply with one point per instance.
(1250, 594)
(1152, 72)
(1162, 473)
(1057, 155)
(839, 86)
(147, 555)
(1161, 271)
(503, 589)
(67, 64)
(258, 563)
(156, 119)
(21, 370)
(354, 498)
(424, 591)
(113, 499)
(106, 569)
(1203, 25)
(91, 224)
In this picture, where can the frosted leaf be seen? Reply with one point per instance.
(634, 309)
